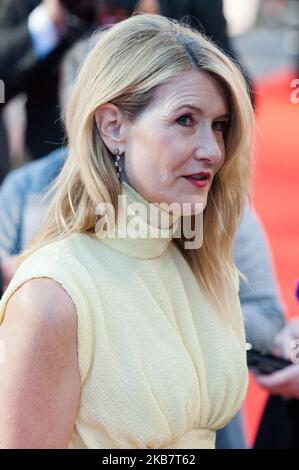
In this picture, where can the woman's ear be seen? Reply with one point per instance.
(110, 124)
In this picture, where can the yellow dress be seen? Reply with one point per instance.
(159, 367)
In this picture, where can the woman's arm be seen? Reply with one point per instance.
(39, 372)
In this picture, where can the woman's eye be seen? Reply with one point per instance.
(185, 120)
(220, 126)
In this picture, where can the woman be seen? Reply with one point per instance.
(114, 341)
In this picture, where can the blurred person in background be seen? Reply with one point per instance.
(286, 381)
(34, 35)
(261, 303)
(278, 427)
(286, 345)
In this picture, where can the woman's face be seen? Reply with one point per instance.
(181, 133)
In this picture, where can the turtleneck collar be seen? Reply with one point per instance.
(153, 225)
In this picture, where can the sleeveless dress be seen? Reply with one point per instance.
(160, 368)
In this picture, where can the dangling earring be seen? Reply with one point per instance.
(117, 164)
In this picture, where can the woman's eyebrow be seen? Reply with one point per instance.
(199, 110)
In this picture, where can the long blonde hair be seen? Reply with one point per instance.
(125, 68)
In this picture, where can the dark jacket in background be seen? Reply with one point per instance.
(207, 17)
(204, 15)
(279, 426)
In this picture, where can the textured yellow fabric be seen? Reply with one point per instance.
(159, 367)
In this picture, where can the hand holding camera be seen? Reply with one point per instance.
(284, 380)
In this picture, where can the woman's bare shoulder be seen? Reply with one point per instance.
(40, 366)
(43, 301)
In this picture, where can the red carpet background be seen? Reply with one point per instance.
(276, 198)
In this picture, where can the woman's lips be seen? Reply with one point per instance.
(197, 183)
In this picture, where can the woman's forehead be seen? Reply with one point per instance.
(194, 88)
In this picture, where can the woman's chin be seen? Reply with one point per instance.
(191, 207)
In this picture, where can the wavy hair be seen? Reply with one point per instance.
(128, 63)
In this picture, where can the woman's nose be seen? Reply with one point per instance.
(208, 148)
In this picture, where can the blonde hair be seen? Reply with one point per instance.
(125, 68)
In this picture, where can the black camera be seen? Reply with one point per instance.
(264, 362)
